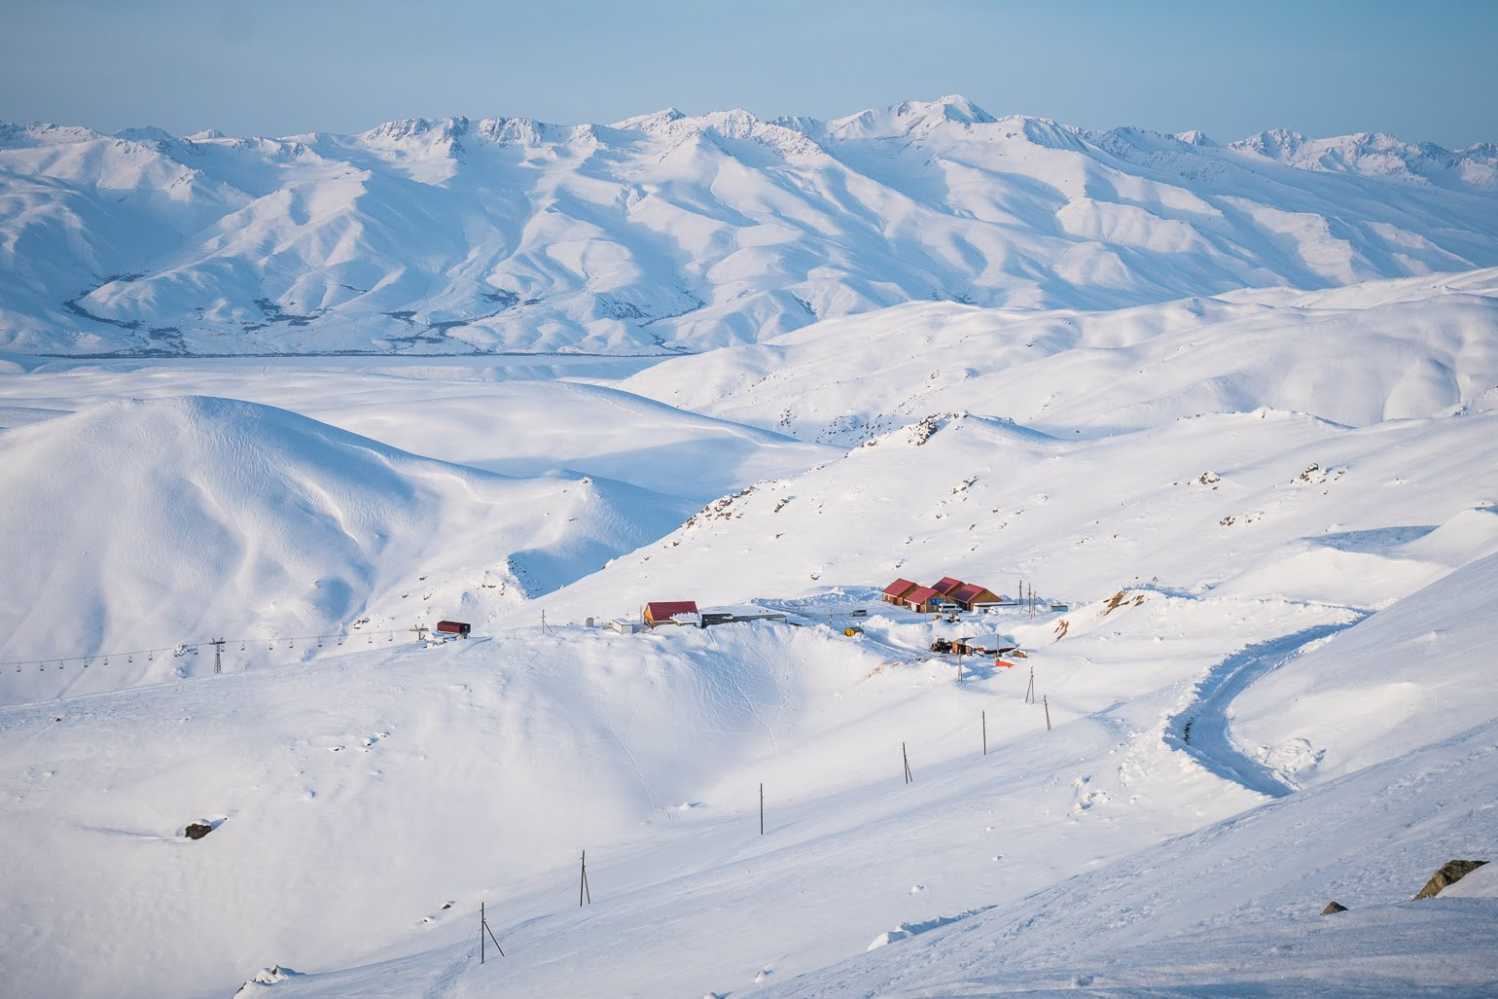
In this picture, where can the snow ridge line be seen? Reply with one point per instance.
(1200, 728)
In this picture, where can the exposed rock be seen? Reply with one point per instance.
(197, 830)
(1333, 907)
(1449, 874)
(266, 976)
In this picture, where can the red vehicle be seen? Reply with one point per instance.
(459, 628)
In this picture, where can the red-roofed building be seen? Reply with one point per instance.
(659, 612)
(922, 599)
(969, 595)
(894, 591)
(946, 585)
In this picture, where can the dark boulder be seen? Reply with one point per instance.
(197, 830)
(1449, 874)
(1333, 907)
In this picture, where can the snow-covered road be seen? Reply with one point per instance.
(1202, 728)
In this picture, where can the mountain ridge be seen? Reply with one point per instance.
(668, 231)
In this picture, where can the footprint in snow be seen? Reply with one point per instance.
(917, 889)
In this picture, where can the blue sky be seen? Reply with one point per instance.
(1425, 71)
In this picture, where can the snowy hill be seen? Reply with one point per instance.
(1358, 355)
(137, 525)
(683, 232)
(1252, 505)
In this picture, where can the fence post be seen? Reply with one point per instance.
(984, 715)
(1046, 702)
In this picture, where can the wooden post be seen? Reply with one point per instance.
(761, 808)
(482, 923)
(905, 758)
(583, 891)
(984, 715)
(1045, 701)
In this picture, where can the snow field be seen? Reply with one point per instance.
(483, 766)
(1308, 591)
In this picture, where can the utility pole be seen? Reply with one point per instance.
(984, 715)
(218, 655)
(1047, 703)
(761, 808)
(1030, 690)
(905, 758)
(583, 891)
(421, 633)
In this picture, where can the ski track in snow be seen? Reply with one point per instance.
(1202, 729)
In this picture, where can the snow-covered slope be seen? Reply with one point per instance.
(1252, 505)
(135, 525)
(665, 229)
(1357, 355)
(513, 415)
(1233, 909)
(1418, 671)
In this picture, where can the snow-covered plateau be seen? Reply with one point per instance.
(271, 409)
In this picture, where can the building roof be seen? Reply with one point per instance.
(919, 595)
(898, 588)
(946, 585)
(968, 592)
(664, 610)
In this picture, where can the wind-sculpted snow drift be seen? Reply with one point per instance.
(681, 232)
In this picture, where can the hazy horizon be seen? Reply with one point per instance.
(279, 69)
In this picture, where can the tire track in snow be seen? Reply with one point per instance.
(1200, 729)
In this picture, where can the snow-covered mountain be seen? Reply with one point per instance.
(683, 232)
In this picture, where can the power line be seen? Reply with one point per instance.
(194, 648)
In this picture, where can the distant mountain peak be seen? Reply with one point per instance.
(1377, 154)
(1195, 137)
(911, 116)
(952, 107)
(651, 122)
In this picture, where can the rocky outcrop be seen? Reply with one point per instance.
(1333, 907)
(1449, 874)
